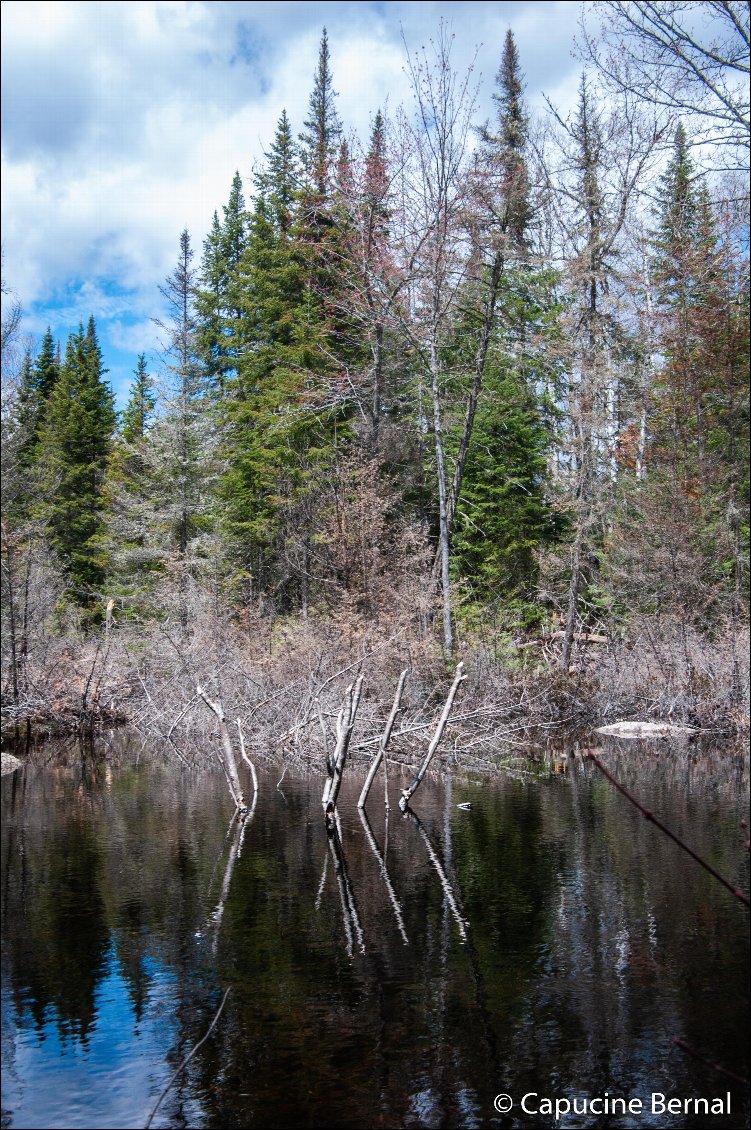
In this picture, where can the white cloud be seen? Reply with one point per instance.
(124, 122)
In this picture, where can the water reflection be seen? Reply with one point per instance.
(547, 940)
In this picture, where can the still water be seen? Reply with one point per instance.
(548, 943)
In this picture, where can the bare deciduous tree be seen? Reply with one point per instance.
(692, 59)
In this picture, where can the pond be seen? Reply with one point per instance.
(547, 944)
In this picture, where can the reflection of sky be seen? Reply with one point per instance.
(111, 1080)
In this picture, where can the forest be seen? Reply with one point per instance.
(454, 391)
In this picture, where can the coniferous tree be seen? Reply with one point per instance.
(36, 384)
(74, 445)
(182, 441)
(699, 410)
(141, 403)
(499, 506)
(216, 303)
(273, 430)
(135, 545)
(323, 131)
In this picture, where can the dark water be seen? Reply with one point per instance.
(359, 997)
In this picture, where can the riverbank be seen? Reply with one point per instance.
(285, 680)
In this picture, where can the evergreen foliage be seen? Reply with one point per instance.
(74, 444)
(403, 349)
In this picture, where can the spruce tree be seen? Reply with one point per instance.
(697, 481)
(215, 298)
(500, 511)
(323, 131)
(277, 431)
(74, 445)
(36, 384)
(140, 407)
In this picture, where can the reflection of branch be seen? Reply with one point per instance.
(352, 927)
(447, 890)
(708, 1062)
(234, 855)
(648, 815)
(382, 864)
(322, 883)
(187, 1059)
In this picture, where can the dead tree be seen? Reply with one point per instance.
(229, 763)
(459, 677)
(383, 743)
(344, 725)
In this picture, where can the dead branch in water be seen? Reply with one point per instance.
(344, 724)
(245, 757)
(407, 793)
(228, 761)
(383, 743)
(649, 815)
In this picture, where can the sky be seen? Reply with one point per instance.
(124, 122)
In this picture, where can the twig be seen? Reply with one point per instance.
(648, 815)
(188, 1058)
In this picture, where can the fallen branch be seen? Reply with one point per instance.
(384, 741)
(407, 793)
(229, 763)
(648, 815)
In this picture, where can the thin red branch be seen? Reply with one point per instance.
(708, 1062)
(648, 815)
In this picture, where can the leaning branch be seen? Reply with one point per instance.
(228, 754)
(384, 740)
(648, 815)
(407, 793)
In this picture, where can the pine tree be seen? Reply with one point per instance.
(74, 444)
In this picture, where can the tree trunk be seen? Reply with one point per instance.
(443, 526)
(344, 725)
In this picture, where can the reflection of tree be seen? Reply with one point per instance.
(55, 921)
(589, 945)
(384, 872)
